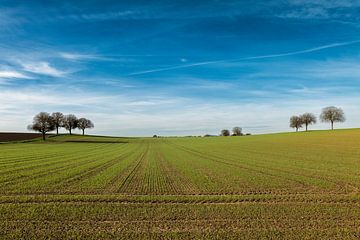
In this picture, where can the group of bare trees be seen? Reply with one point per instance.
(328, 114)
(44, 123)
(236, 131)
(304, 119)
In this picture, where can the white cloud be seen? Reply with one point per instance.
(148, 103)
(13, 74)
(146, 115)
(72, 56)
(79, 57)
(43, 68)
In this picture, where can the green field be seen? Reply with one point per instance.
(276, 186)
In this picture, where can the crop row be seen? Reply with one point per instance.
(288, 219)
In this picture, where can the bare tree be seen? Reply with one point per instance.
(84, 123)
(296, 122)
(237, 131)
(332, 114)
(43, 123)
(70, 122)
(58, 118)
(308, 119)
(225, 132)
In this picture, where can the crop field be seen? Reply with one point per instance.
(276, 186)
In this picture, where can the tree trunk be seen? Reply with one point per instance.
(57, 130)
(43, 136)
(297, 129)
(306, 126)
(83, 132)
(70, 131)
(332, 125)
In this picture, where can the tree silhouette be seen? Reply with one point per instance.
(308, 119)
(42, 123)
(84, 123)
(58, 118)
(70, 122)
(332, 114)
(237, 131)
(296, 122)
(225, 132)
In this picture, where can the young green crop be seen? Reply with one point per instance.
(277, 186)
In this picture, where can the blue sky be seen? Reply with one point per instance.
(138, 68)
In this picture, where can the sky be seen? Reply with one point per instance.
(138, 68)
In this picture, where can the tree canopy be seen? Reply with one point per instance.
(237, 131)
(296, 122)
(83, 124)
(308, 119)
(58, 118)
(225, 132)
(42, 123)
(70, 122)
(332, 114)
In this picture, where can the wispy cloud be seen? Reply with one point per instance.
(43, 68)
(79, 57)
(102, 16)
(309, 50)
(307, 13)
(326, 3)
(10, 74)
(299, 9)
(322, 9)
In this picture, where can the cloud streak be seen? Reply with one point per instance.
(103, 16)
(10, 74)
(309, 50)
(43, 68)
(80, 57)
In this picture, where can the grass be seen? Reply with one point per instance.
(276, 186)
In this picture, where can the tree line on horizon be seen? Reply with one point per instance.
(329, 114)
(43, 122)
(236, 131)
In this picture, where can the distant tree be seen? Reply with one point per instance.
(155, 136)
(296, 122)
(308, 119)
(58, 118)
(332, 114)
(84, 123)
(43, 123)
(225, 132)
(70, 122)
(237, 131)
